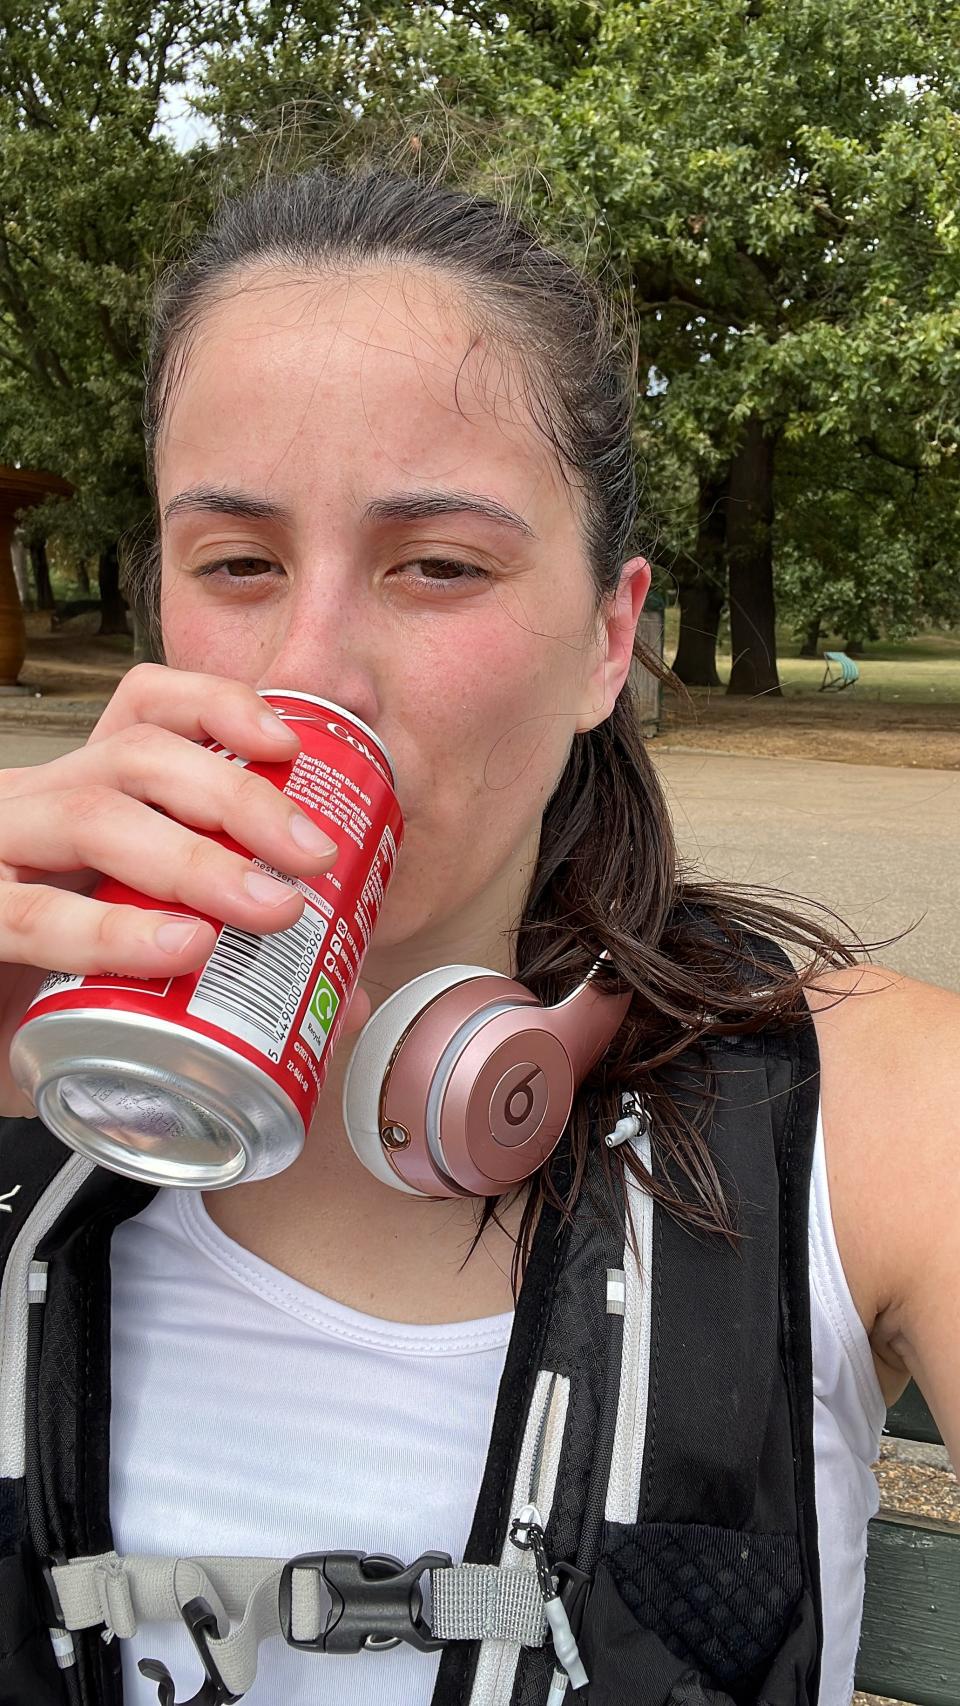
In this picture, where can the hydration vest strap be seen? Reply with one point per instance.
(480, 1602)
(304, 1600)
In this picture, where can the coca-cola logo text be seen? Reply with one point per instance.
(359, 745)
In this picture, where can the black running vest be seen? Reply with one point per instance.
(682, 1477)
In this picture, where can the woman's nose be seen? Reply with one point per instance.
(326, 646)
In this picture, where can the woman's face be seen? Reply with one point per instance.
(355, 504)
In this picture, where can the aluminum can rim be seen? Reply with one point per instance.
(133, 1049)
(331, 705)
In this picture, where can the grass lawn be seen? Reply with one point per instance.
(904, 710)
(925, 668)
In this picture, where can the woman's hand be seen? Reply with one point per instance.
(93, 813)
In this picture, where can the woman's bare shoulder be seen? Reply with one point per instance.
(890, 1093)
(890, 1061)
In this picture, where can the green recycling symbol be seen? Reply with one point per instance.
(323, 1004)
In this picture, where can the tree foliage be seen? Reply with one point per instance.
(776, 183)
(778, 180)
(93, 196)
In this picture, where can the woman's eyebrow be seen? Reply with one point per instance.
(400, 506)
(222, 501)
(423, 506)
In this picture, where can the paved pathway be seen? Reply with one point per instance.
(26, 746)
(881, 846)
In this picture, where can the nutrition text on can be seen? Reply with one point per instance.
(213, 1077)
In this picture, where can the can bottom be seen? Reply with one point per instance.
(154, 1101)
(125, 1125)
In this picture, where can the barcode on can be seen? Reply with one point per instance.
(57, 983)
(253, 985)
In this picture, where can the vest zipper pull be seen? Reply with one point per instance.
(526, 1533)
(635, 1122)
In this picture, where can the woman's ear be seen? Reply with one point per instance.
(617, 632)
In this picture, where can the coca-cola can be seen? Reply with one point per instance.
(213, 1077)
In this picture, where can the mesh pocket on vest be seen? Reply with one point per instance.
(717, 1598)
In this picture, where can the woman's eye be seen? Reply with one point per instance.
(239, 568)
(441, 572)
(426, 574)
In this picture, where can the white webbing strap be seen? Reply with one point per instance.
(470, 1602)
(122, 1593)
(481, 1602)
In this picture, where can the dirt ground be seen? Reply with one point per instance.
(834, 726)
(72, 662)
(923, 1489)
(74, 671)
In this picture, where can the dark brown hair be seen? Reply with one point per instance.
(608, 875)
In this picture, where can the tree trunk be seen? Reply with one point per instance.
(145, 645)
(21, 574)
(702, 592)
(41, 575)
(113, 606)
(83, 576)
(750, 558)
(811, 639)
(701, 605)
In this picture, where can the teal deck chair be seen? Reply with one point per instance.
(848, 671)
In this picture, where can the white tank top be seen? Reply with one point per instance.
(251, 1415)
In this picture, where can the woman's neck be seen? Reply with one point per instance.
(331, 1225)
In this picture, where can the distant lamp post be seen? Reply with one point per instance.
(20, 488)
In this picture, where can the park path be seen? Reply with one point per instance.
(879, 845)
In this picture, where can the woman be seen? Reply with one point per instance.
(390, 435)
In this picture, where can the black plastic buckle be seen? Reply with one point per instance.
(54, 1608)
(201, 1623)
(375, 1601)
(575, 1586)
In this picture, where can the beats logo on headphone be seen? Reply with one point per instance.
(462, 1082)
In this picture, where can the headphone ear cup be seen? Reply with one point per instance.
(372, 1053)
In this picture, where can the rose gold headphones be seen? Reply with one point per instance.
(462, 1082)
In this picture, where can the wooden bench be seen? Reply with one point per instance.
(910, 1641)
(848, 671)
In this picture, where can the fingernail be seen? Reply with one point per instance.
(309, 837)
(266, 889)
(176, 935)
(275, 727)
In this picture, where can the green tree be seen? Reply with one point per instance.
(866, 548)
(780, 182)
(774, 181)
(777, 182)
(93, 196)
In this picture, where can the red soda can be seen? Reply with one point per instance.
(213, 1077)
